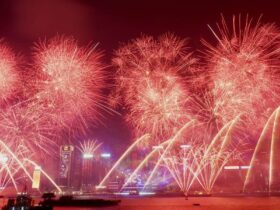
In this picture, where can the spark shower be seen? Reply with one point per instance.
(218, 103)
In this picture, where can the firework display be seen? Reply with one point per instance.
(191, 114)
(10, 81)
(23, 126)
(10, 169)
(61, 91)
(152, 76)
(88, 149)
(244, 69)
(68, 82)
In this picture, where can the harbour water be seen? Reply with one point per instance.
(205, 203)
(193, 203)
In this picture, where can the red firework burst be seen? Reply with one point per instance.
(244, 67)
(68, 82)
(152, 75)
(27, 126)
(9, 75)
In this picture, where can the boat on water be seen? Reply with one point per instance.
(24, 202)
(69, 200)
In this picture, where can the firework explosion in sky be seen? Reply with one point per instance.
(69, 81)
(154, 85)
(156, 81)
(9, 73)
(244, 68)
(63, 92)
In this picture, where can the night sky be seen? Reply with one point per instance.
(113, 22)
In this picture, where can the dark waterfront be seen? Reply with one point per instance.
(206, 203)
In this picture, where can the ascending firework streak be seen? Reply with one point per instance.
(166, 150)
(13, 163)
(8, 170)
(124, 155)
(183, 165)
(16, 159)
(244, 68)
(44, 173)
(143, 162)
(151, 79)
(260, 164)
(196, 161)
(215, 156)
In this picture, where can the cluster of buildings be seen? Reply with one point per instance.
(81, 172)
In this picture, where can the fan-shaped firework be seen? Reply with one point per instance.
(89, 147)
(9, 75)
(245, 71)
(69, 81)
(151, 75)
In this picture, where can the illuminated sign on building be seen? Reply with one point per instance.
(36, 178)
(65, 162)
